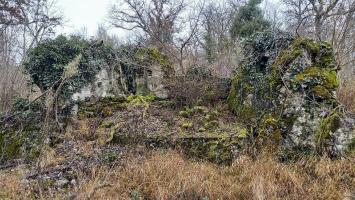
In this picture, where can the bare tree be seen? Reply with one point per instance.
(318, 15)
(29, 21)
(41, 17)
(331, 20)
(11, 12)
(23, 24)
(297, 15)
(169, 25)
(156, 18)
(217, 18)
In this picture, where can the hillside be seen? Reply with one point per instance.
(177, 99)
(151, 151)
(277, 133)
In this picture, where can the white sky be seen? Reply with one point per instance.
(83, 13)
(80, 14)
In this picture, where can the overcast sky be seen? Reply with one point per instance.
(83, 13)
(91, 13)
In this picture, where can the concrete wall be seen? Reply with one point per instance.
(108, 83)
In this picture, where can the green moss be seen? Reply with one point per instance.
(210, 117)
(351, 146)
(200, 109)
(106, 112)
(308, 73)
(243, 133)
(185, 113)
(219, 150)
(104, 107)
(321, 92)
(167, 103)
(113, 99)
(247, 112)
(189, 112)
(287, 56)
(201, 129)
(106, 124)
(295, 50)
(11, 142)
(139, 100)
(212, 124)
(187, 124)
(330, 79)
(233, 100)
(270, 75)
(270, 130)
(109, 157)
(324, 77)
(327, 126)
(311, 45)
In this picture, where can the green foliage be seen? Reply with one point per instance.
(351, 146)
(138, 100)
(19, 134)
(29, 111)
(254, 83)
(249, 19)
(139, 58)
(45, 63)
(327, 126)
(276, 66)
(149, 56)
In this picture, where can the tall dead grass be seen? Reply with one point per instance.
(12, 83)
(170, 176)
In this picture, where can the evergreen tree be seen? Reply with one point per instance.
(248, 20)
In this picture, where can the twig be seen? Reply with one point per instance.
(30, 103)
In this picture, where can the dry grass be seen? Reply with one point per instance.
(11, 186)
(169, 175)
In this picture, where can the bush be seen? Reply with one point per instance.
(197, 88)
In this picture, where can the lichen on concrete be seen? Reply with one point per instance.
(285, 90)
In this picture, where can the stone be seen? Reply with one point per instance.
(285, 91)
(61, 183)
(135, 76)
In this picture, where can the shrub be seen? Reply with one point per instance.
(197, 88)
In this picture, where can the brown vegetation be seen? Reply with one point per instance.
(346, 95)
(12, 83)
(191, 92)
(168, 175)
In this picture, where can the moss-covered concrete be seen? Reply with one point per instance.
(283, 87)
(103, 107)
(327, 126)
